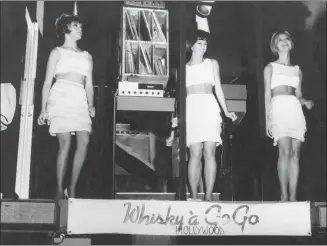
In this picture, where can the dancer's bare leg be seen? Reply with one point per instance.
(293, 169)
(64, 140)
(210, 168)
(201, 184)
(284, 153)
(82, 140)
(194, 168)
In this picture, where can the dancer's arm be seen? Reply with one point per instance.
(219, 91)
(52, 62)
(267, 72)
(89, 88)
(298, 93)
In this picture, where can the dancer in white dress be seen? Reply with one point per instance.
(284, 116)
(203, 119)
(67, 105)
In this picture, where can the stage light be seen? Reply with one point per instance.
(204, 8)
(202, 24)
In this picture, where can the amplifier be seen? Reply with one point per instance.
(139, 89)
(29, 215)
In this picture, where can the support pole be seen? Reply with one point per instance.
(181, 194)
(259, 70)
(260, 84)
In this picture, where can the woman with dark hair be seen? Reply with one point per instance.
(68, 104)
(284, 116)
(203, 119)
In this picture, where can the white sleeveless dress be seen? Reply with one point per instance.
(203, 119)
(286, 115)
(67, 105)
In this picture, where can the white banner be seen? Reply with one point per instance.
(151, 217)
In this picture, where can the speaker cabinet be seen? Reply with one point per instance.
(29, 215)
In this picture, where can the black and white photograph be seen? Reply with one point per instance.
(163, 122)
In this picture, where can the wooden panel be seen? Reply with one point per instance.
(145, 104)
(236, 106)
(237, 92)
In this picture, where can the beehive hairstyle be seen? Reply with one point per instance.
(194, 36)
(63, 22)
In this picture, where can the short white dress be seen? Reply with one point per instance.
(203, 118)
(67, 105)
(285, 116)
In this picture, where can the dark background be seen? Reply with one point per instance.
(240, 36)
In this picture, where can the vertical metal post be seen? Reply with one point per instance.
(260, 84)
(112, 195)
(181, 194)
(259, 69)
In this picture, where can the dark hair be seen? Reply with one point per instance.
(193, 37)
(62, 23)
(273, 40)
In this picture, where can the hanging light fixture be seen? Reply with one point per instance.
(203, 10)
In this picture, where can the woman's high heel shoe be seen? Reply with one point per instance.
(66, 194)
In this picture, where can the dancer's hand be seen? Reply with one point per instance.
(232, 116)
(170, 139)
(174, 122)
(309, 104)
(42, 118)
(92, 111)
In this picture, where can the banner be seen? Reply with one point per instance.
(185, 218)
